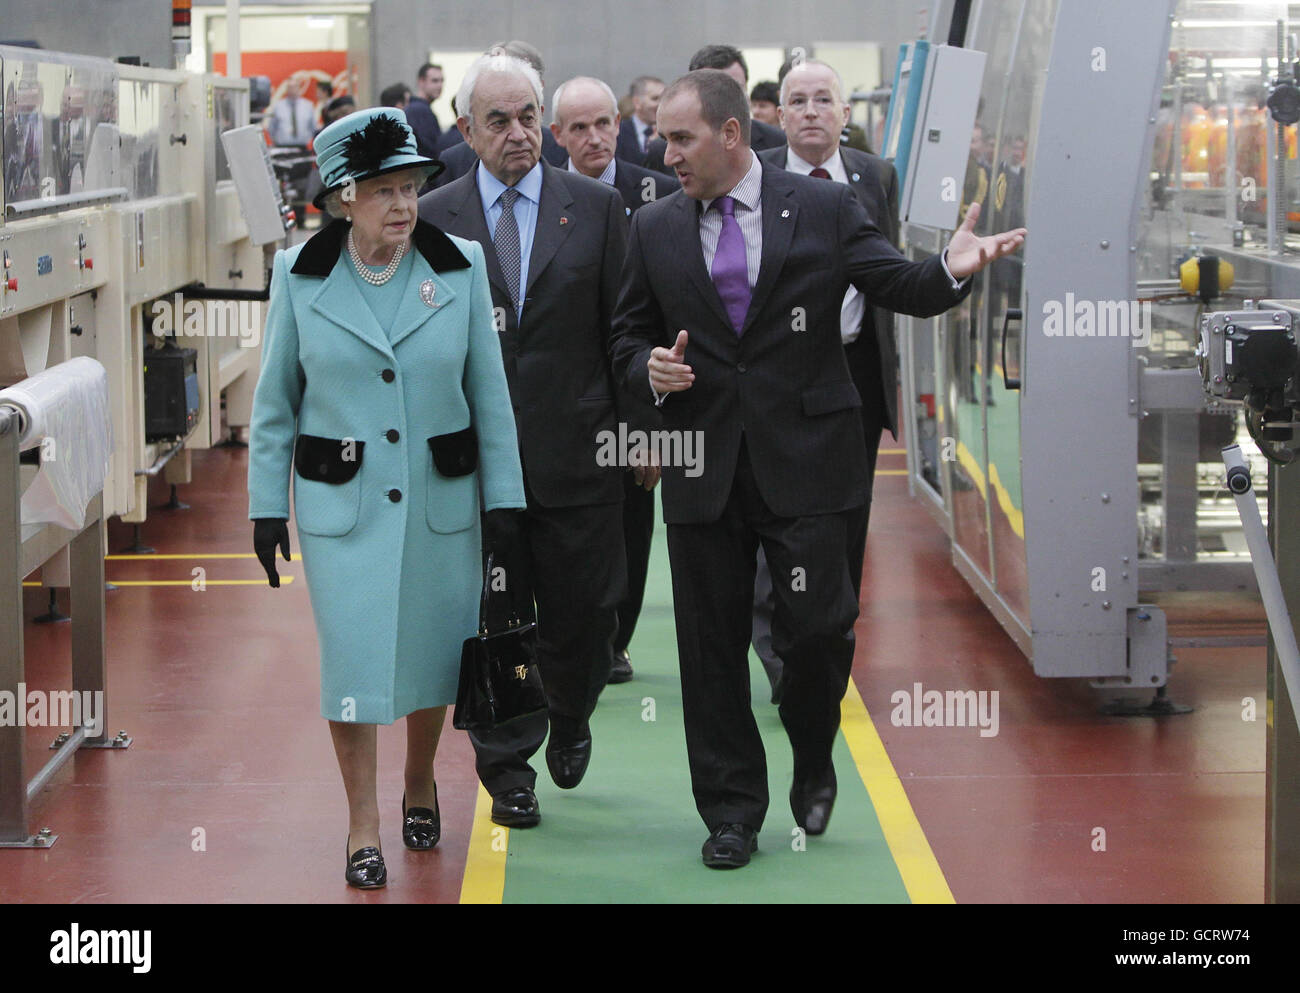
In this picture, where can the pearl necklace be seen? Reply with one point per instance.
(368, 274)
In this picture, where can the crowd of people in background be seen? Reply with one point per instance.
(293, 120)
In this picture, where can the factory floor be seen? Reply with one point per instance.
(230, 791)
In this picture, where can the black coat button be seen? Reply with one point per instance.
(392, 435)
(395, 496)
(388, 375)
(740, 367)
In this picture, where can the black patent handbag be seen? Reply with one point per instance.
(499, 678)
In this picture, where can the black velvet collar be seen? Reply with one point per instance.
(322, 250)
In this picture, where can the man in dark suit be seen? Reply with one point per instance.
(554, 241)
(634, 131)
(586, 120)
(729, 312)
(813, 112)
(450, 137)
(419, 111)
(460, 158)
(732, 62)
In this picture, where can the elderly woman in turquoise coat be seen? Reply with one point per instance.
(383, 398)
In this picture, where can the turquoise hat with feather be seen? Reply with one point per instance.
(367, 144)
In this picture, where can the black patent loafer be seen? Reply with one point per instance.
(516, 808)
(730, 846)
(421, 827)
(366, 869)
(568, 762)
(621, 670)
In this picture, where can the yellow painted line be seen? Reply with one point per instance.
(194, 555)
(891, 472)
(187, 582)
(912, 854)
(892, 451)
(485, 867)
(1015, 516)
(972, 467)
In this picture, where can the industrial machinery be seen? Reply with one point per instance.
(1066, 421)
(121, 227)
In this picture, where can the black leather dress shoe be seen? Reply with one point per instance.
(729, 846)
(811, 802)
(421, 827)
(621, 670)
(365, 869)
(568, 761)
(516, 808)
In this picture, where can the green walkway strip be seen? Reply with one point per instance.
(630, 831)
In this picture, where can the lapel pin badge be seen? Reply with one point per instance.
(785, 213)
(564, 220)
(427, 290)
(857, 176)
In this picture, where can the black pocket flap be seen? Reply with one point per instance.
(455, 454)
(830, 397)
(327, 460)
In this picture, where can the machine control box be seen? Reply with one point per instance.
(171, 392)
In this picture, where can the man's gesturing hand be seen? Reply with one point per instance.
(668, 373)
(968, 254)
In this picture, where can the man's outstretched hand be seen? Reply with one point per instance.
(668, 372)
(968, 253)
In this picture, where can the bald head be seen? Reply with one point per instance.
(586, 123)
(813, 111)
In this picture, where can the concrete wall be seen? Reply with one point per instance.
(613, 39)
(618, 40)
(105, 28)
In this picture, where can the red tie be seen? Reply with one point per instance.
(820, 173)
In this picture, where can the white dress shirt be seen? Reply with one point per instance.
(606, 177)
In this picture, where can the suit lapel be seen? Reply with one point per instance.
(686, 232)
(413, 312)
(467, 211)
(554, 222)
(860, 179)
(338, 301)
(780, 212)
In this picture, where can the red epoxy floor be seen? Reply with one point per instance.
(220, 690)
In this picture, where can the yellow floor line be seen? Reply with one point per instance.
(188, 555)
(907, 843)
(891, 472)
(485, 862)
(186, 582)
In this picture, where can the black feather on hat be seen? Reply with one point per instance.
(366, 150)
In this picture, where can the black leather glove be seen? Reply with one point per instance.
(268, 534)
(503, 540)
(501, 533)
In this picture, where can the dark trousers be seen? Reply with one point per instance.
(638, 531)
(765, 599)
(573, 558)
(713, 568)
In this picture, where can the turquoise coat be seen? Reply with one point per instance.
(390, 545)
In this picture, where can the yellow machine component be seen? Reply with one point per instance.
(1189, 275)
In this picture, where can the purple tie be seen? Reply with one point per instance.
(730, 270)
